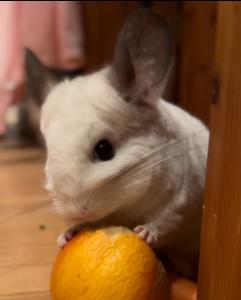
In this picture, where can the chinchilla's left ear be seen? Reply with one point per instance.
(143, 57)
(40, 78)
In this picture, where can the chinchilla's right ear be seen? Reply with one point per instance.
(143, 57)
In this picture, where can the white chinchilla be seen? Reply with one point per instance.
(119, 154)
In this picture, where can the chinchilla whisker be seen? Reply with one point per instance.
(158, 155)
(151, 167)
(142, 174)
(140, 168)
(181, 142)
(154, 161)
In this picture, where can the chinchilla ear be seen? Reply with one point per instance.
(143, 57)
(40, 78)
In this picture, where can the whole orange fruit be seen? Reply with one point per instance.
(108, 264)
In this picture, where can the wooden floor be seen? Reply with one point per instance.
(29, 226)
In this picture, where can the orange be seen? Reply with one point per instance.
(108, 264)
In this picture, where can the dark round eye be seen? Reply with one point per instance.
(104, 150)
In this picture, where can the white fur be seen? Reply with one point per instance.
(168, 195)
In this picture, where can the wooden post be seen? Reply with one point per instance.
(196, 56)
(102, 23)
(220, 263)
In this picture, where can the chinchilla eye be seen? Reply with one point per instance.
(104, 150)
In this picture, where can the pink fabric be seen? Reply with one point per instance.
(51, 29)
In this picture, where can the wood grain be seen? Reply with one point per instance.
(196, 57)
(103, 21)
(220, 263)
(29, 227)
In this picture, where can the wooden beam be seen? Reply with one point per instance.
(102, 23)
(220, 263)
(196, 56)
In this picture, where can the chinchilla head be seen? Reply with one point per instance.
(99, 127)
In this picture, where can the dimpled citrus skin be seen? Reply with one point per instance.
(107, 264)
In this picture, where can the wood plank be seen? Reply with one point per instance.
(220, 263)
(103, 21)
(23, 296)
(28, 226)
(196, 57)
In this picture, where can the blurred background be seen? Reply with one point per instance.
(77, 37)
(71, 38)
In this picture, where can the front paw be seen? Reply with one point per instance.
(66, 236)
(148, 232)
